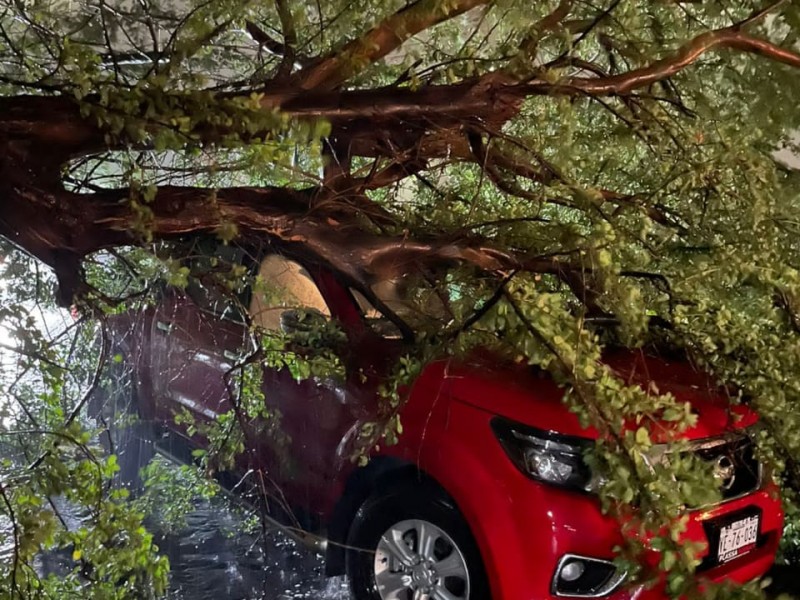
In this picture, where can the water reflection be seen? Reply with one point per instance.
(211, 560)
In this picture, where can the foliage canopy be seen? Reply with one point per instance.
(566, 160)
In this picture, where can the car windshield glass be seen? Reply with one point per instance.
(415, 299)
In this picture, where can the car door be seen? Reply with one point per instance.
(294, 451)
(314, 414)
(204, 335)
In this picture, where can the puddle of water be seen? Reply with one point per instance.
(211, 559)
(207, 563)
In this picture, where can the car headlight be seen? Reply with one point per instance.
(546, 456)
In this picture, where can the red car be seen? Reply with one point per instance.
(486, 495)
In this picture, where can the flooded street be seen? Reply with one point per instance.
(211, 561)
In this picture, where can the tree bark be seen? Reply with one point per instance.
(38, 134)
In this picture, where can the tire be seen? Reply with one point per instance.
(392, 524)
(115, 408)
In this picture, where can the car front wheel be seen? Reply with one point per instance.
(412, 544)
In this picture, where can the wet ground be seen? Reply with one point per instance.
(208, 563)
(210, 560)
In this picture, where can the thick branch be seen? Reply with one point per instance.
(387, 36)
(316, 226)
(688, 54)
(54, 122)
(309, 220)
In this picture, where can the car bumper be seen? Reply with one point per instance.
(750, 566)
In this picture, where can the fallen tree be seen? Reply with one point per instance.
(597, 160)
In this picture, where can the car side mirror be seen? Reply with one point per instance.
(307, 327)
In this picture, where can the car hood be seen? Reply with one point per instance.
(530, 396)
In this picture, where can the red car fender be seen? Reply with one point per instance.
(456, 447)
(484, 504)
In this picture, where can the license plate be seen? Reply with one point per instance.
(737, 538)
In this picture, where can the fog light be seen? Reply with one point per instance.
(572, 570)
(586, 577)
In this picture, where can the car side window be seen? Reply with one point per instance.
(218, 282)
(283, 285)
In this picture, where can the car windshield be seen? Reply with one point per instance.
(415, 299)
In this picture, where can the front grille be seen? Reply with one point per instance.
(735, 464)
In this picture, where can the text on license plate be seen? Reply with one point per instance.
(737, 538)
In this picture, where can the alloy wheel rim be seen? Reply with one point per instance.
(416, 560)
